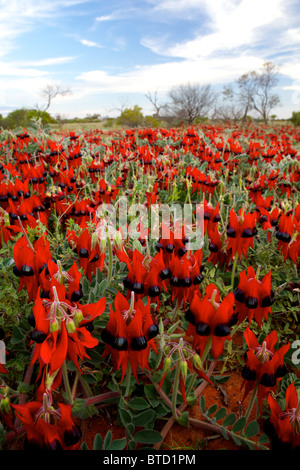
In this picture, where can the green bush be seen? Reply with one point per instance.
(295, 119)
(23, 117)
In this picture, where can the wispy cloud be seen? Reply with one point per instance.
(86, 42)
(44, 62)
(105, 18)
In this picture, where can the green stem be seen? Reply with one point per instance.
(175, 391)
(206, 349)
(103, 397)
(67, 383)
(251, 402)
(233, 270)
(128, 378)
(110, 266)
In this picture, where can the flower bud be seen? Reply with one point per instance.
(78, 317)
(197, 363)
(118, 240)
(94, 241)
(183, 369)
(103, 242)
(167, 364)
(70, 325)
(5, 405)
(54, 325)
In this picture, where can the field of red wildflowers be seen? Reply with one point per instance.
(124, 330)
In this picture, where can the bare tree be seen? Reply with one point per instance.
(247, 90)
(229, 109)
(155, 103)
(190, 101)
(49, 92)
(256, 90)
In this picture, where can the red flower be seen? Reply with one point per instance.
(253, 297)
(240, 232)
(60, 328)
(129, 334)
(264, 366)
(283, 427)
(48, 428)
(210, 319)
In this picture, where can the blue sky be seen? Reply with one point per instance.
(111, 53)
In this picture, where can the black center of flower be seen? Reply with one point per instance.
(83, 253)
(27, 270)
(139, 343)
(165, 274)
(203, 329)
(230, 232)
(247, 233)
(222, 330)
(153, 291)
(138, 288)
(213, 248)
(198, 279)
(170, 248)
(251, 302)
(239, 295)
(38, 336)
(120, 343)
(152, 331)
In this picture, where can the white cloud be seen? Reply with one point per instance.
(104, 18)
(233, 24)
(86, 42)
(164, 76)
(44, 62)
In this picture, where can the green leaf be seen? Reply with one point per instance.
(98, 441)
(131, 445)
(220, 414)
(147, 436)
(240, 424)
(236, 439)
(117, 444)
(144, 418)
(229, 420)
(125, 417)
(202, 404)
(138, 403)
(263, 439)
(224, 433)
(129, 430)
(107, 440)
(252, 429)
(212, 409)
(80, 410)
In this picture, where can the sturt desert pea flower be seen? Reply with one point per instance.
(210, 320)
(283, 427)
(7, 231)
(90, 256)
(288, 236)
(264, 366)
(240, 232)
(218, 247)
(30, 260)
(129, 335)
(61, 328)
(48, 428)
(254, 297)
